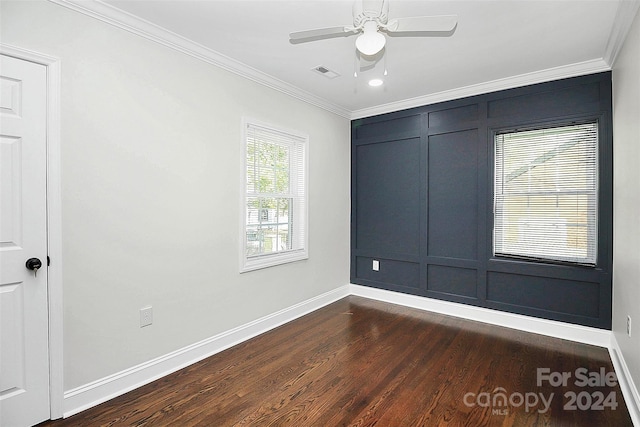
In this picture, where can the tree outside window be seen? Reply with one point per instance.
(275, 201)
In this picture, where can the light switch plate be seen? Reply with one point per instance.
(376, 265)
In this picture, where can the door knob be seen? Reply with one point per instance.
(33, 264)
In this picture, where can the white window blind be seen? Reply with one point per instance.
(546, 194)
(275, 202)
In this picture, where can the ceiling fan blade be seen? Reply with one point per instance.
(319, 33)
(421, 24)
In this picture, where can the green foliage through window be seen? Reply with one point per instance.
(275, 192)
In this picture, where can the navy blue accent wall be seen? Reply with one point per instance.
(422, 201)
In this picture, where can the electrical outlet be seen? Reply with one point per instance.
(629, 326)
(146, 316)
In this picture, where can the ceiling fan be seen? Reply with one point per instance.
(370, 17)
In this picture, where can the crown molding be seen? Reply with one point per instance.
(625, 14)
(627, 10)
(565, 71)
(131, 23)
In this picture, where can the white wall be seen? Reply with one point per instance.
(626, 256)
(150, 193)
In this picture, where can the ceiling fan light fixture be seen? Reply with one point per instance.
(375, 82)
(370, 41)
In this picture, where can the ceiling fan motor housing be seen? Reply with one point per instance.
(371, 18)
(370, 10)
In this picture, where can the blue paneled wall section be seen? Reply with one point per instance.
(422, 201)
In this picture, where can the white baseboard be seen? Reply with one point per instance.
(566, 331)
(94, 393)
(629, 389)
(583, 334)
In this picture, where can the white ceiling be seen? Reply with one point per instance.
(497, 44)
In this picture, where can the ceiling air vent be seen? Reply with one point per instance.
(322, 70)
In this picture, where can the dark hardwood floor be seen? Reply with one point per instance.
(362, 362)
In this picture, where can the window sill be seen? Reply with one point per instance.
(265, 261)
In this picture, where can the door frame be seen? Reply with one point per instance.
(54, 222)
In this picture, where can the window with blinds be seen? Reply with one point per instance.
(274, 227)
(546, 194)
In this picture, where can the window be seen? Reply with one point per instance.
(546, 193)
(274, 224)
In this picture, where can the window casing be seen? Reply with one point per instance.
(274, 202)
(546, 194)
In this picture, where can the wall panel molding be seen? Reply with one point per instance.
(565, 71)
(456, 199)
(551, 328)
(92, 394)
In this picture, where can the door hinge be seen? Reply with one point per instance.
(48, 261)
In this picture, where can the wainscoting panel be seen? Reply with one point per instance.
(422, 196)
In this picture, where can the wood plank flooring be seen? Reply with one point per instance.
(359, 362)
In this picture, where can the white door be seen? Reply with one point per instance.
(24, 339)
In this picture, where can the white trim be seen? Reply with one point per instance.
(126, 21)
(54, 227)
(301, 208)
(54, 222)
(565, 331)
(104, 389)
(625, 14)
(565, 71)
(628, 387)
(99, 391)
